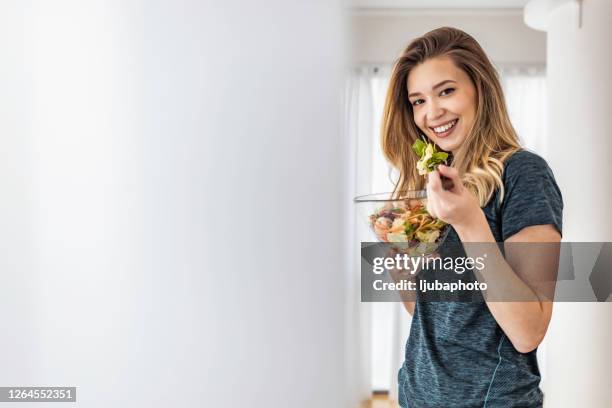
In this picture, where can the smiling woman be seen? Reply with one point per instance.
(444, 89)
(452, 91)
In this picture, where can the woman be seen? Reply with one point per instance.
(480, 354)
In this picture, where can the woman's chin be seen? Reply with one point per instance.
(450, 143)
(447, 145)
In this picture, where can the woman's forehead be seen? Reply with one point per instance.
(425, 76)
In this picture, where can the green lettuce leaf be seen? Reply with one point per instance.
(419, 147)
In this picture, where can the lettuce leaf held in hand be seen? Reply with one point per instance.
(429, 157)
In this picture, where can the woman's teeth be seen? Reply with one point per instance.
(442, 129)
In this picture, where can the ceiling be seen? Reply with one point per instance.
(433, 4)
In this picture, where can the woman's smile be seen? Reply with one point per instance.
(444, 129)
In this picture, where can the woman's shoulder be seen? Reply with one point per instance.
(531, 195)
(525, 172)
(524, 161)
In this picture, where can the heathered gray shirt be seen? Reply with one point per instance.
(457, 355)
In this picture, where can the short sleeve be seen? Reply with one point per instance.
(531, 197)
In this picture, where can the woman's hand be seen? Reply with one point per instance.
(398, 275)
(456, 206)
(408, 297)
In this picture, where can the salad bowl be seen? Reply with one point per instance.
(403, 221)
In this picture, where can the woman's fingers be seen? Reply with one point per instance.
(433, 181)
(433, 255)
(435, 194)
(441, 202)
(431, 202)
(448, 171)
(396, 274)
(391, 252)
(435, 184)
(452, 174)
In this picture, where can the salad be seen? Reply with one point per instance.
(406, 221)
(429, 157)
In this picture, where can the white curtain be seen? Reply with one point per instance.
(358, 130)
(525, 91)
(389, 323)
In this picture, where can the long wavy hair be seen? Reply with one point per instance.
(490, 141)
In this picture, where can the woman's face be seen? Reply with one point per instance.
(443, 100)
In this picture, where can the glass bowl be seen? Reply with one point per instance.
(403, 222)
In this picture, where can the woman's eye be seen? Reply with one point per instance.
(447, 91)
(417, 102)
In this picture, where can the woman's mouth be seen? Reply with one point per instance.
(445, 129)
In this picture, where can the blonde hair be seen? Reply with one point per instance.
(492, 139)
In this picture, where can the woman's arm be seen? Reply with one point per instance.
(525, 320)
(409, 307)
(408, 297)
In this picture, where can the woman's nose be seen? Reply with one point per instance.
(434, 111)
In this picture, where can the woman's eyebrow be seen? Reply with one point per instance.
(439, 84)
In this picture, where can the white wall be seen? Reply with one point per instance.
(580, 95)
(167, 236)
(381, 36)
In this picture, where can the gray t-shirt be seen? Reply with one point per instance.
(457, 355)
